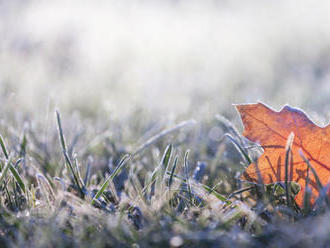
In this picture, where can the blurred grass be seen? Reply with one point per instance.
(192, 58)
(140, 86)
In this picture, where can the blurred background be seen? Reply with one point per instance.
(170, 58)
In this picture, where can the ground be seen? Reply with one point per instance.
(119, 129)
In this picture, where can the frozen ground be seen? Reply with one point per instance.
(122, 72)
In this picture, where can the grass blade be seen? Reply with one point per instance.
(12, 169)
(172, 172)
(216, 194)
(186, 169)
(165, 132)
(288, 156)
(88, 171)
(3, 147)
(120, 166)
(166, 159)
(4, 170)
(60, 130)
(162, 168)
(317, 179)
(65, 153)
(242, 151)
(17, 175)
(23, 144)
(205, 187)
(227, 123)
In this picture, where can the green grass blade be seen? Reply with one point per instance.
(166, 159)
(205, 187)
(60, 130)
(75, 177)
(288, 156)
(17, 175)
(162, 168)
(3, 147)
(307, 194)
(88, 171)
(4, 170)
(23, 145)
(242, 151)
(120, 166)
(12, 169)
(186, 169)
(317, 179)
(241, 191)
(216, 194)
(172, 172)
(65, 153)
(77, 171)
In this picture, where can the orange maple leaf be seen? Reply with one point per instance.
(271, 130)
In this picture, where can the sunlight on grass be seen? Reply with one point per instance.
(147, 150)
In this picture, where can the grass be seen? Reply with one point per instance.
(178, 188)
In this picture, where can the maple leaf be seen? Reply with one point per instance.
(271, 130)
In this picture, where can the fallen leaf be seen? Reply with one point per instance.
(271, 130)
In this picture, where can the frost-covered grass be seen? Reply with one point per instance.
(176, 186)
(143, 155)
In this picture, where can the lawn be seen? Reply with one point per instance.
(118, 125)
